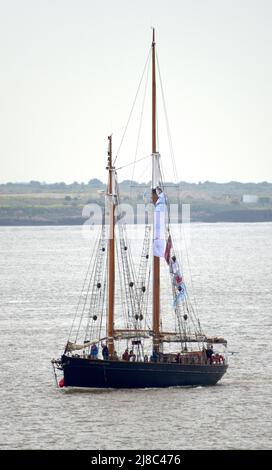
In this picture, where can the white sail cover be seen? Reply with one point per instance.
(74, 347)
(159, 226)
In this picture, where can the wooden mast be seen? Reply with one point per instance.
(111, 253)
(156, 259)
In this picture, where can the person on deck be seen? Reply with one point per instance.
(105, 352)
(125, 355)
(209, 353)
(177, 358)
(94, 351)
(115, 356)
(132, 356)
(154, 357)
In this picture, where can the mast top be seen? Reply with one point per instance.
(153, 40)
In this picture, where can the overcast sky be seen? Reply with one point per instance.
(69, 71)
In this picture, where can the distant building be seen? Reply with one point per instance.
(250, 198)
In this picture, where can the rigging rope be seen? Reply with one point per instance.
(89, 284)
(84, 283)
(141, 120)
(133, 163)
(131, 111)
(132, 301)
(97, 294)
(167, 123)
(176, 178)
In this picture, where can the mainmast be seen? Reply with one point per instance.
(156, 259)
(111, 253)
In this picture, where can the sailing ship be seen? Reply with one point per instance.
(118, 338)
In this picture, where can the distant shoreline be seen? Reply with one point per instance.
(60, 204)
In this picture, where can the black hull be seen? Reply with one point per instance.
(80, 372)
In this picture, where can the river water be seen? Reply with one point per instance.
(41, 274)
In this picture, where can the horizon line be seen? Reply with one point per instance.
(45, 183)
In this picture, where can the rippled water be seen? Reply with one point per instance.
(41, 274)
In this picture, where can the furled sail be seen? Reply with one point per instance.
(74, 347)
(159, 224)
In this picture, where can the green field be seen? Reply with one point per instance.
(61, 204)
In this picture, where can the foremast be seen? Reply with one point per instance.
(111, 252)
(156, 259)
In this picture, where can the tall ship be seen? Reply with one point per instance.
(125, 334)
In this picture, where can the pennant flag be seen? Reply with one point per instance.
(178, 279)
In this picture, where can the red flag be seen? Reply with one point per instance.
(167, 253)
(178, 279)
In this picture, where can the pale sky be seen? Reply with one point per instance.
(69, 72)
